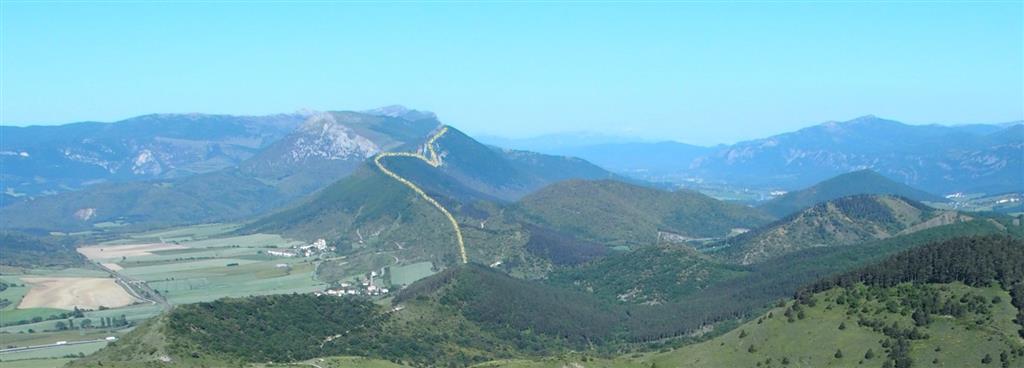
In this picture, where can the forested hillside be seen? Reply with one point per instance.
(975, 261)
(652, 274)
(717, 291)
(839, 222)
(621, 214)
(288, 328)
(849, 184)
(23, 250)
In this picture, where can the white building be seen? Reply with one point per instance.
(281, 253)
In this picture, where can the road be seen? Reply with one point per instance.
(138, 289)
(47, 346)
(434, 160)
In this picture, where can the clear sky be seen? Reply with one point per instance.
(698, 72)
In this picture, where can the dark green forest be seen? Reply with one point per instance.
(23, 250)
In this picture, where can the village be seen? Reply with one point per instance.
(369, 284)
(316, 248)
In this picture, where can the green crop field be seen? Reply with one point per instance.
(344, 269)
(249, 278)
(407, 274)
(36, 363)
(133, 313)
(209, 267)
(188, 233)
(55, 352)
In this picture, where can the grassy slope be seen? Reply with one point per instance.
(814, 340)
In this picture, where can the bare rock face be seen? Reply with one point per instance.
(324, 137)
(85, 214)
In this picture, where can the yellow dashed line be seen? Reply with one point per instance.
(434, 160)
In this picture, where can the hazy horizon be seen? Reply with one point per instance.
(700, 73)
(596, 136)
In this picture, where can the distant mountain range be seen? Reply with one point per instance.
(313, 154)
(41, 160)
(160, 170)
(936, 158)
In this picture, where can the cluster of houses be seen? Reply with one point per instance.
(308, 250)
(365, 287)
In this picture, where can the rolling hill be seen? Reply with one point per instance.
(844, 221)
(370, 209)
(852, 183)
(622, 214)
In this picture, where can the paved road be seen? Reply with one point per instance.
(47, 346)
(138, 288)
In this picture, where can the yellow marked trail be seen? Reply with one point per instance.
(434, 160)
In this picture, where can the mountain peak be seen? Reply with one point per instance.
(401, 112)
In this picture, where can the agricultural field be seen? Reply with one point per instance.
(25, 301)
(74, 292)
(40, 312)
(407, 274)
(187, 233)
(55, 352)
(184, 265)
(36, 363)
(205, 262)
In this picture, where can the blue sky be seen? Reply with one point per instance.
(697, 72)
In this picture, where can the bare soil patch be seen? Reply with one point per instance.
(71, 292)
